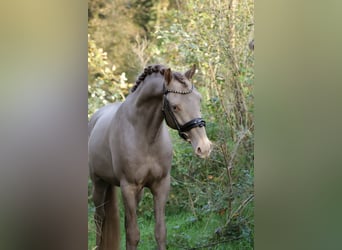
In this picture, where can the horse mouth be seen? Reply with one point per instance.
(203, 156)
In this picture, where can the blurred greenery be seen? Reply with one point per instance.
(126, 36)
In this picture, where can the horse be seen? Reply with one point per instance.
(130, 147)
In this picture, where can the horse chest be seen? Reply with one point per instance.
(146, 170)
(153, 166)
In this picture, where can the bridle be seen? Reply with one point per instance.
(171, 119)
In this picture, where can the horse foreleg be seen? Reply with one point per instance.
(140, 194)
(160, 191)
(130, 196)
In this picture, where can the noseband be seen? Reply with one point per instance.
(170, 117)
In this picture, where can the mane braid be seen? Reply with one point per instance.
(148, 71)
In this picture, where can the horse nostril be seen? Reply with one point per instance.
(198, 150)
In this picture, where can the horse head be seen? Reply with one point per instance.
(182, 110)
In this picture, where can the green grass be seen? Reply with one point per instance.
(184, 232)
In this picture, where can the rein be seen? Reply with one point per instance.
(168, 114)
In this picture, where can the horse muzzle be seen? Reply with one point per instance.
(203, 148)
(201, 145)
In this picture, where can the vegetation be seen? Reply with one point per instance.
(211, 201)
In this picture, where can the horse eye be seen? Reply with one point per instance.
(174, 107)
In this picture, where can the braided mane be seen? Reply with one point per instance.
(155, 69)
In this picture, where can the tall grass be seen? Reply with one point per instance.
(184, 232)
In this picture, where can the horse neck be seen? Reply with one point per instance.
(146, 107)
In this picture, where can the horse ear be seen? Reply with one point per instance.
(190, 73)
(167, 75)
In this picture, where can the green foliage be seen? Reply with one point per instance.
(184, 232)
(144, 14)
(104, 84)
(119, 27)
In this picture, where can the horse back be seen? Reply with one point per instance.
(106, 111)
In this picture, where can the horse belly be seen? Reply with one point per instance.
(100, 163)
(100, 158)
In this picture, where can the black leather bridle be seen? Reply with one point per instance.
(171, 119)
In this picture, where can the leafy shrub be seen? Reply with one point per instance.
(105, 85)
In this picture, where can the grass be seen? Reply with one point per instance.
(184, 232)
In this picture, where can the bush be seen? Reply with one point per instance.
(105, 85)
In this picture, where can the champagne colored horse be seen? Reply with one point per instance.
(130, 147)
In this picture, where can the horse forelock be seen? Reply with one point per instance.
(157, 68)
(179, 77)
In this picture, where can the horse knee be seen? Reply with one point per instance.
(133, 237)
